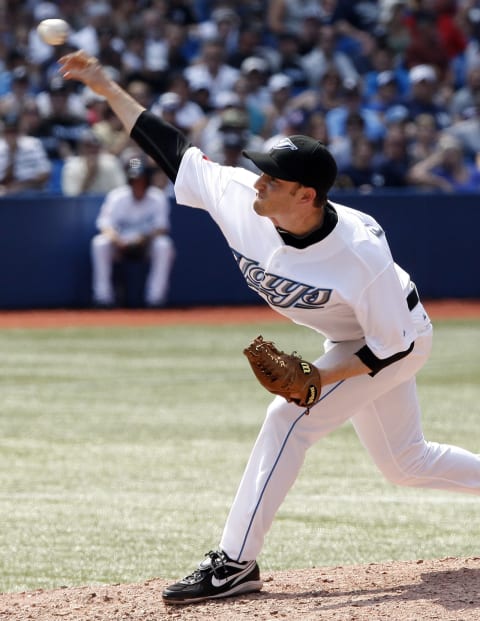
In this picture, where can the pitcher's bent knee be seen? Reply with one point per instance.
(406, 470)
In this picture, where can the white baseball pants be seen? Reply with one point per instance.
(385, 413)
(104, 254)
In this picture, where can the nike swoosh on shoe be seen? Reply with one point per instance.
(219, 582)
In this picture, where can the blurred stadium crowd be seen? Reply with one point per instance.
(391, 86)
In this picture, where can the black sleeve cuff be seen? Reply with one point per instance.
(161, 141)
(369, 359)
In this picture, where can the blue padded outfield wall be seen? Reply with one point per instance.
(45, 249)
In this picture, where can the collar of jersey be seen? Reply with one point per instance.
(329, 222)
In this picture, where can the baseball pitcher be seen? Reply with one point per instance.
(327, 267)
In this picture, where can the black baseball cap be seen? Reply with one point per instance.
(298, 158)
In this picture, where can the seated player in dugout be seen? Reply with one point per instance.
(134, 223)
(325, 266)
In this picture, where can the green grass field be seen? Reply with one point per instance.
(121, 449)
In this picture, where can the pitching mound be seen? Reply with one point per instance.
(402, 591)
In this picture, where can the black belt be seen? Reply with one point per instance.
(412, 298)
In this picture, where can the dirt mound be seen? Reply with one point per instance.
(446, 589)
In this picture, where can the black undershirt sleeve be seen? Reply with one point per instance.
(163, 142)
(369, 359)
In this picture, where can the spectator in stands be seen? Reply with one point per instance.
(109, 49)
(325, 97)
(255, 72)
(24, 165)
(167, 107)
(288, 15)
(462, 104)
(181, 12)
(168, 47)
(223, 25)
(206, 132)
(232, 137)
(294, 122)
(60, 129)
(200, 94)
(280, 89)
(141, 91)
(249, 44)
(153, 26)
(446, 169)
(188, 113)
(93, 170)
(384, 59)
(9, 60)
(360, 172)
(396, 33)
(59, 92)
(132, 64)
(467, 132)
(308, 34)
(469, 18)
(423, 138)
(110, 132)
(291, 63)
(426, 46)
(134, 222)
(341, 146)
(423, 96)
(19, 92)
(95, 106)
(29, 118)
(252, 104)
(357, 23)
(436, 37)
(212, 69)
(96, 16)
(178, 47)
(353, 103)
(393, 164)
(317, 128)
(386, 96)
(453, 38)
(326, 55)
(231, 150)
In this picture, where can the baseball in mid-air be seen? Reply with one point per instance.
(53, 31)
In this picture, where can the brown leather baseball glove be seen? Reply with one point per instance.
(284, 374)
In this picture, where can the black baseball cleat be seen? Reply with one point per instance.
(216, 576)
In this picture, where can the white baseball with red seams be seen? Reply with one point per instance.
(53, 31)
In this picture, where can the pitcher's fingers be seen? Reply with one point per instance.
(76, 61)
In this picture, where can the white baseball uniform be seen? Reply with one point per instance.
(132, 218)
(347, 288)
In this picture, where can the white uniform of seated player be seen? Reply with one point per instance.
(134, 222)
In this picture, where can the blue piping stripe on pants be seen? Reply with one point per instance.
(275, 465)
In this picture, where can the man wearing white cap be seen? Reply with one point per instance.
(423, 95)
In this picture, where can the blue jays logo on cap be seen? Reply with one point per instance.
(285, 143)
(298, 158)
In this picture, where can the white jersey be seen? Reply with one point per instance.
(131, 218)
(345, 286)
